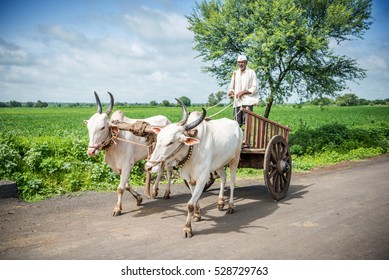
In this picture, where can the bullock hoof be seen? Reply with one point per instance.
(116, 213)
(187, 233)
(139, 200)
(196, 219)
(154, 194)
(230, 209)
(167, 195)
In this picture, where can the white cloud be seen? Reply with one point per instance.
(11, 54)
(62, 34)
(154, 25)
(139, 56)
(159, 76)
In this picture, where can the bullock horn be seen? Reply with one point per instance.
(184, 113)
(98, 103)
(195, 123)
(109, 110)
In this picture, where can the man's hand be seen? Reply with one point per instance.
(231, 94)
(241, 93)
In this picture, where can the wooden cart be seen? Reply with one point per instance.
(265, 146)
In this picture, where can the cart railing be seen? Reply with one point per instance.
(259, 130)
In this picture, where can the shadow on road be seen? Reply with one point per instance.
(252, 203)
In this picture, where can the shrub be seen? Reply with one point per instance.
(339, 138)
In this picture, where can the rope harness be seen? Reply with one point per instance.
(138, 129)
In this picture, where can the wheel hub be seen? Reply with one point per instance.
(283, 166)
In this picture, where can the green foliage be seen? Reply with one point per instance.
(287, 42)
(308, 162)
(349, 99)
(185, 100)
(165, 103)
(323, 101)
(339, 134)
(215, 98)
(9, 156)
(47, 166)
(153, 103)
(339, 138)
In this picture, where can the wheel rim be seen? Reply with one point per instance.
(277, 167)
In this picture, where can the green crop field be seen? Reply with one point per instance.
(44, 149)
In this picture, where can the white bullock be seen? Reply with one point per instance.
(121, 156)
(199, 152)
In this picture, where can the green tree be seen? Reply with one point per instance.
(185, 100)
(14, 103)
(40, 104)
(153, 103)
(323, 101)
(349, 99)
(165, 103)
(287, 43)
(215, 98)
(363, 101)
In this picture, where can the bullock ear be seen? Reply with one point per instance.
(191, 141)
(114, 128)
(156, 129)
(112, 124)
(86, 122)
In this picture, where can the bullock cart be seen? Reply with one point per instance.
(265, 146)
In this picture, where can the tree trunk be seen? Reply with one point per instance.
(268, 107)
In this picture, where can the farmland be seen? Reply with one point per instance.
(44, 149)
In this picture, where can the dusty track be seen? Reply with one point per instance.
(340, 212)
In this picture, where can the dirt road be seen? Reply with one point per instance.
(333, 213)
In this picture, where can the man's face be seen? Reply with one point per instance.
(242, 65)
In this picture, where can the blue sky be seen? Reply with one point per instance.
(61, 51)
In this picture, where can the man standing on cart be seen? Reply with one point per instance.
(244, 89)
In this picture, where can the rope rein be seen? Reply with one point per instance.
(225, 108)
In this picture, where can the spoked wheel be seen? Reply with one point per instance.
(277, 167)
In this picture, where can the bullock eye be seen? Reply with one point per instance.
(171, 143)
(102, 128)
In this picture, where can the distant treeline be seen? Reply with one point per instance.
(348, 99)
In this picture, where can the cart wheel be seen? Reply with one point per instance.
(277, 167)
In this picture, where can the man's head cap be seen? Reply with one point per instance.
(241, 57)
